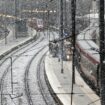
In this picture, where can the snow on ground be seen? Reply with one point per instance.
(19, 67)
(12, 41)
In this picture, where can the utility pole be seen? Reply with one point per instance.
(61, 33)
(31, 17)
(16, 19)
(73, 11)
(48, 30)
(48, 19)
(48, 13)
(65, 9)
(20, 12)
(102, 52)
(5, 22)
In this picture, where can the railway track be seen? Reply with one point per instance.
(18, 88)
(27, 89)
(45, 89)
(16, 55)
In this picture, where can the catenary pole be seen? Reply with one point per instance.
(73, 11)
(102, 52)
(61, 33)
(65, 10)
(16, 19)
(5, 24)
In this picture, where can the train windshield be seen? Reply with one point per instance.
(40, 22)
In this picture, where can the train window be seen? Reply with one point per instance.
(39, 22)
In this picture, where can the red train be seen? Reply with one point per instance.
(87, 57)
(36, 23)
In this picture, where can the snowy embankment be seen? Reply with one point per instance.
(13, 43)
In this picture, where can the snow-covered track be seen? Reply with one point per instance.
(27, 88)
(20, 86)
(15, 56)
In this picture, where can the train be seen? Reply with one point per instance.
(36, 23)
(87, 57)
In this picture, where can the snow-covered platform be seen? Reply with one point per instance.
(61, 84)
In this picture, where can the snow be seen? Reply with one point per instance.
(12, 41)
(19, 68)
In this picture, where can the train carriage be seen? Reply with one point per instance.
(87, 59)
(36, 23)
